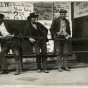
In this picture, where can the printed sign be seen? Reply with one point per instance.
(80, 9)
(21, 10)
(62, 5)
(16, 10)
(45, 10)
(5, 8)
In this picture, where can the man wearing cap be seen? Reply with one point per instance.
(37, 34)
(11, 42)
(60, 32)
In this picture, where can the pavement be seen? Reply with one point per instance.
(29, 78)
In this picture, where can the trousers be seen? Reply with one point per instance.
(17, 55)
(41, 56)
(61, 49)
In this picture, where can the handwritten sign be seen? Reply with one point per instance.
(21, 10)
(45, 10)
(5, 8)
(80, 9)
(62, 5)
(16, 10)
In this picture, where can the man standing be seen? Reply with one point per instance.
(37, 34)
(60, 32)
(11, 42)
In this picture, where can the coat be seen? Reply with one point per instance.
(30, 33)
(55, 26)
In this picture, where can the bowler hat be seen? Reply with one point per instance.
(32, 15)
(63, 11)
(2, 16)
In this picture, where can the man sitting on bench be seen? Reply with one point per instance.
(11, 42)
(37, 34)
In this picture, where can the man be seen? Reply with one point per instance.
(37, 34)
(11, 42)
(60, 31)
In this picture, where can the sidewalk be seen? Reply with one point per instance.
(77, 76)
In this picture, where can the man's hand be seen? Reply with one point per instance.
(32, 40)
(9, 36)
(1, 37)
(59, 33)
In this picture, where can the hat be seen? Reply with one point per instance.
(32, 15)
(63, 11)
(2, 16)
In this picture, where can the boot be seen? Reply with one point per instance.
(4, 72)
(65, 62)
(45, 71)
(39, 70)
(66, 68)
(44, 63)
(59, 63)
(60, 69)
(17, 72)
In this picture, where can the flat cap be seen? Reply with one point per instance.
(63, 11)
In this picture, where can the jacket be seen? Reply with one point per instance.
(29, 32)
(55, 26)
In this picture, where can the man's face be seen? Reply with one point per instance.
(33, 19)
(63, 15)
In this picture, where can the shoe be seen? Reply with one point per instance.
(60, 69)
(21, 70)
(17, 73)
(67, 69)
(45, 71)
(4, 72)
(39, 71)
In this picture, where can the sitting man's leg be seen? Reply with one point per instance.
(44, 55)
(3, 60)
(17, 56)
(38, 56)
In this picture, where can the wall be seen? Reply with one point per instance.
(16, 14)
(80, 29)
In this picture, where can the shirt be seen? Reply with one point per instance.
(63, 29)
(3, 30)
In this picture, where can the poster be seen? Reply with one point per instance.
(45, 10)
(6, 9)
(21, 10)
(16, 10)
(80, 9)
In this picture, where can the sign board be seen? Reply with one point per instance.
(80, 9)
(45, 10)
(16, 10)
(21, 10)
(6, 9)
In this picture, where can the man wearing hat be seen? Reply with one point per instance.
(60, 32)
(37, 34)
(11, 42)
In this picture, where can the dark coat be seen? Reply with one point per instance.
(29, 32)
(17, 42)
(55, 27)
